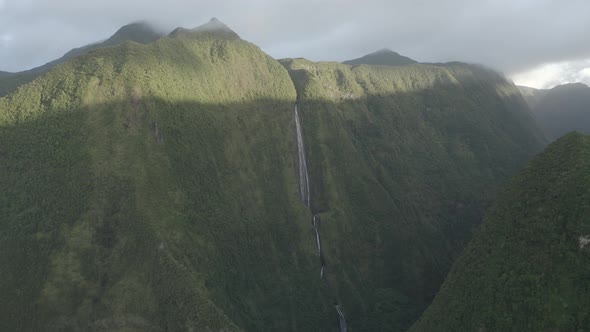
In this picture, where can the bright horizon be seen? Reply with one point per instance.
(547, 76)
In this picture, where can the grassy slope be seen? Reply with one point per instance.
(525, 269)
(153, 187)
(137, 32)
(404, 160)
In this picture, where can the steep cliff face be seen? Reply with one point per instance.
(403, 161)
(157, 187)
(154, 187)
(525, 270)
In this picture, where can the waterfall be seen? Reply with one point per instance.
(303, 177)
(343, 327)
(319, 244)
(305, 198)
(304, 185)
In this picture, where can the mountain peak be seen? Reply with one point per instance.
(382, 57)
(571, 87)
(140, 32)
(214, 26)
(385, 51)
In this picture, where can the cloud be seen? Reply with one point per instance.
(6, 38)
(549, 75)
(510, 35)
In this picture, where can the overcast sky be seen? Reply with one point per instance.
(538, 43)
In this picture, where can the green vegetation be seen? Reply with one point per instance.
(384, 57)
(154, 187)
(11, 81)
(563, 109)
(137, 32)
(527, 269)
(403, 161)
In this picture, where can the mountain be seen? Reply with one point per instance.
(532, 95)
(563, 109)
(214, 27)
(403, 162)
(11, 81)
(526, 269)
(152, 187)
(384, 57)
(162, 186)
(140, 32)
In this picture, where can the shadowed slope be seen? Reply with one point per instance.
(527, 267)
(563, 109)
(532, 96)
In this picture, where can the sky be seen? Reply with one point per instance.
(538, 43)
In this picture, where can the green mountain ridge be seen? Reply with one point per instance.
(139, 32)
(155, 187)
(526, 268)
(384, 57)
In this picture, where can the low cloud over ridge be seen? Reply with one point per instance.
(514, 36)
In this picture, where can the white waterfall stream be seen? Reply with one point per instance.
(317, 238)
(303, 177)
(305, 198)
(343, 327)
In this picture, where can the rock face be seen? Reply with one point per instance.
(525, 268)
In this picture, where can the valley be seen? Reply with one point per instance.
(191, 182)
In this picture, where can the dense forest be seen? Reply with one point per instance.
(151, 182)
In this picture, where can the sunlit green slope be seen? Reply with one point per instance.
(140, 32)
